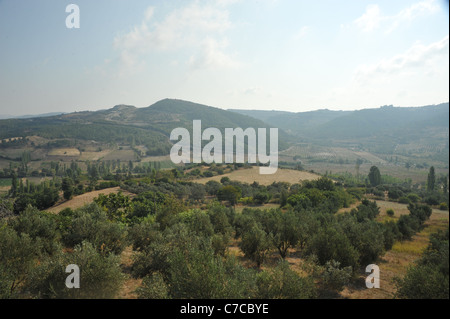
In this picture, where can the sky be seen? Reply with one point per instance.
(290, 55)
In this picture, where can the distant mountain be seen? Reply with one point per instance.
(369, 122)
(8, 116)
(294, 122)
(385, 130)
(150, 126)
(354, 124)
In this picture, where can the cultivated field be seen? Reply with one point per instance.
(252, 175)
(64, 152)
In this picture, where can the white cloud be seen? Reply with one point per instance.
(225, 3)
(182, 29)
(418, 76)
(302, 32)
(373, 18)
(417, 56)
(370, 19)
(413, 12)
(212, 55)
(252, 90)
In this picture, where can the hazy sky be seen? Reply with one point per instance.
(253, 54)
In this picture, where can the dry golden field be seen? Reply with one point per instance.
(81, 200)
(252, 175)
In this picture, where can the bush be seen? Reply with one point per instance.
(366, 210)
(432, 199)
(331, 244)
(90, 223)
(255, 244)
(199, 274)
(407, 226)
(443, 206)
(39, 226)
(153, 287)
(421, 212)
(414, 198)
(334, 277)
(423, 282)
(282, 282)
(208, 174)
(391, 234)
(395, 193)
(390, 212)
(100, 275)
(212, 187)
(18, 255)
(261, 198)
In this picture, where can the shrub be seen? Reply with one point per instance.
(282, 282)
(39, 226)
(414, 198)
(422, 282)
(395, 193)
(390, 212)
(391, 234)
(404, 200)
(421, 212)
(255, 244)
(208, 174)
(153, 287)
(331, 244)
(18, 255)
(261, 198)
(100, 275)
(90, 223)
(334, 277)
(199, 274)
(407, 226)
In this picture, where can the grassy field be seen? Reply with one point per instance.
(65, 151)
(121, 154)
(94, 155)
(252, 175)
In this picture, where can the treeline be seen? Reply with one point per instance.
(433, 192)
